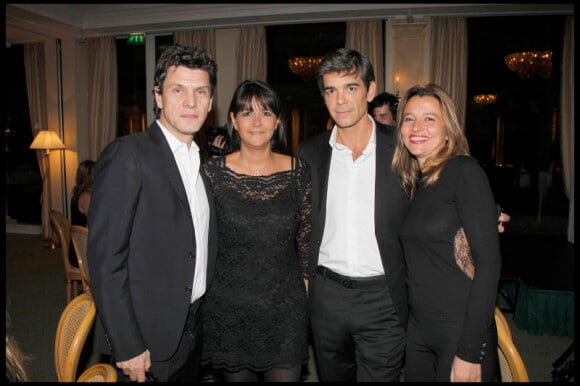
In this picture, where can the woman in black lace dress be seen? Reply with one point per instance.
(255, 323)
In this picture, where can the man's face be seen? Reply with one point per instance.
(346, 98)
(185, 102)
(383, 115)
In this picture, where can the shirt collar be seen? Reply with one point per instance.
(372, 140)
(174, 143)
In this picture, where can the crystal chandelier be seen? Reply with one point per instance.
(485, 99)
(530, 64)
(304, 66)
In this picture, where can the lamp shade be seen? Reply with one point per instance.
(46, 140)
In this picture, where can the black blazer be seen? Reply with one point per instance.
(142, 248)
(390, 208)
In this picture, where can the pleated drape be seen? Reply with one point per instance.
(102, 124)
(366, 36)
(449, 60)
(34, 67)
(251, 54)
(567, 119)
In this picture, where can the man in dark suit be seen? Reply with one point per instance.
(383, 109)
(357, 289)
(152, 230)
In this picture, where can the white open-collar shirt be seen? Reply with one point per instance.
(188, 163)
(349, 245)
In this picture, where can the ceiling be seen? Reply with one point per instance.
(30, 22)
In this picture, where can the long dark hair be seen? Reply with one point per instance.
(84, 178)
(266, 97)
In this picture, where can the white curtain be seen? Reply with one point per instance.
(367, 37)
(34, 66)
(251, 55)
(567, 119)
(449, 60)
(103, 98)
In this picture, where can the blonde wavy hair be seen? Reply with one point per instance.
(405, 164)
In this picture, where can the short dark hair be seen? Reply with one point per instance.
(346, 60)
(190, 57)
(383, 99)
(267, 98)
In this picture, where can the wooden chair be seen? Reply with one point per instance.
(72, 275)
(79, 235)
(73, 327)
(512, 367)
(99, 372)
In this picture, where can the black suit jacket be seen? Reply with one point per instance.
(390, 208)
(142, 248)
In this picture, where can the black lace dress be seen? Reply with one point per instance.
(255, 308)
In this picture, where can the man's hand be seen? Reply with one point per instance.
(135, 368)
(503, 217)
(219, 141)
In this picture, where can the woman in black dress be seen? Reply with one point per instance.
(450, 242)
(80, 200)
(255, 323)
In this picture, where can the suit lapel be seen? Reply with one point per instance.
(384, 179)
(170, 169)
(323, 173)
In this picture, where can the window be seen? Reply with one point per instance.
(134, 83)
(302, 99)
(527, 178)
(23, 181)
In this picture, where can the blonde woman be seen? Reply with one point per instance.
(450, 242)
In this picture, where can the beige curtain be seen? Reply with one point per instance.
(103, 98)
(367, 37)
(205, 39)
(567, 119)
(34, 66)
(449, 59)
(202, 38)
(251, 55)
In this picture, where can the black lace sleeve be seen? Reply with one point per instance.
(305, 227)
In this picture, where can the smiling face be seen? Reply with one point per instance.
(423, 127)
(347, 98)
(255, 124)
(184, 102)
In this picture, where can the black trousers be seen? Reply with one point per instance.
(185, 364)
(356, 333)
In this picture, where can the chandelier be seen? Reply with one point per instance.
(530, 64)
(485, 99)
(304, 66)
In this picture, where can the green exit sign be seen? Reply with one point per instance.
(136, 38)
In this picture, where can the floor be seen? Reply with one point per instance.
(35, 297)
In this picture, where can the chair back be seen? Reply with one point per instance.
(73, 327)
(512, 367)
(72, 274)
(500, 320)
(79, 236)
(99, 372)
